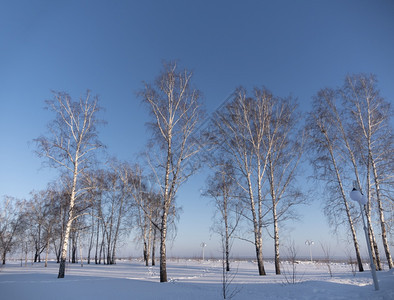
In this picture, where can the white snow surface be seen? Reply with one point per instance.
(188, 280)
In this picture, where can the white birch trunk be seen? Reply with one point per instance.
(63, 258)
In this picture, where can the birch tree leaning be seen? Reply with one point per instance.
(70, 146)
(328, 149)
(373, 137)
(175, 108)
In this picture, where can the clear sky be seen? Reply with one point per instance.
(111, 47)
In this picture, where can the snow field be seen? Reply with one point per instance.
(189, 280)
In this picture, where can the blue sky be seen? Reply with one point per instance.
(111, 47)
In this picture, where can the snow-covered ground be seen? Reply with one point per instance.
(188, 280)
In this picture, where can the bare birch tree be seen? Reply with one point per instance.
(326, 141)
(176, 111)
(70, 146)
(283, 161)
(223, 188)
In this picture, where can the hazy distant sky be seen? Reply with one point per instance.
(111, 47)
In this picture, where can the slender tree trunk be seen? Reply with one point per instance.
(90, 247)
(109, 235)
(117, 231)
(371, 234)
(276, 240)
(97, 243)
(26, 252)
(80, 250)
(149, 243)
(101, 254)
(274, 216)
(347, 209)
(381, 215)
(55, 250)
(109, 251)
(39, 244)
(227, 242)
(113, 259)
(62, 267)
(259, 255)
(372, 239)
(36, 249)
(355, 242)
(58, 254)
(47, 253)
(154, 246)
(259, 249)
(74, 247)
(352, 229)
(258, 246)
(145, 252)
(227, 254)
(163, 257)
(58, 249)
(63, 257)
(257, 232)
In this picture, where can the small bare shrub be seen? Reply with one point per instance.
(227, 279)
(351, 262)
(327, 257)
(228, 276)
(289, 270)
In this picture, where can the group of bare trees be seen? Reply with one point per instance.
(253, 145)
(33, 226)
(88, 206)
(108, 212)
(258, 138)
(351, 139)
(10, 225)
(109, 217)
(258, 142)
